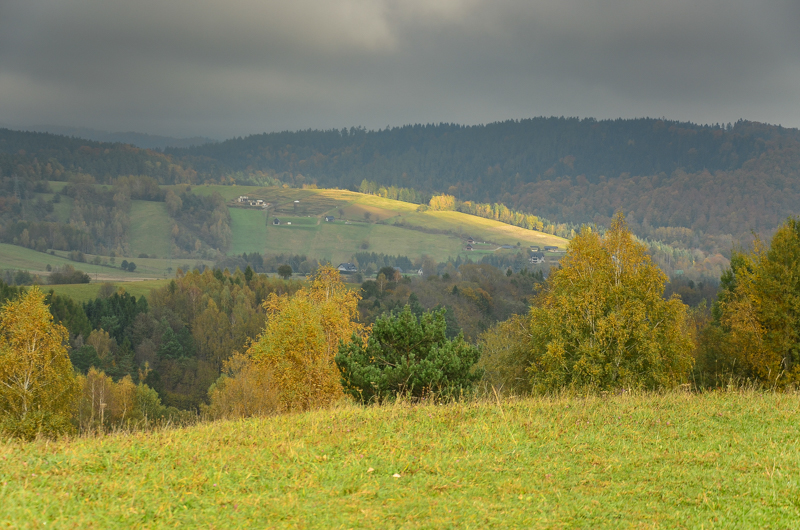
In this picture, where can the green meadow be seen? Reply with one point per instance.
(363, 222)
(674, 460)
(16, 257)
(13, 257)
(150, 229)
(83, 292)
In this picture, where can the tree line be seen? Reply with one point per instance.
(233, 345)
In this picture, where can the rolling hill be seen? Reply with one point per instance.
(361, 222)
(665, 460)
(688, 186)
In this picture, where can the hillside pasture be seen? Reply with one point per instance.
(13, 257)
(401, 230)
(673, 460)
(392, 227)
(150, 229)
(249, 230)
(338, 241)
(88, 291)
(56, 185)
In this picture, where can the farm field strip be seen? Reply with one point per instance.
(83, 292)
(15, 257)
(310, 235)
(150, 225)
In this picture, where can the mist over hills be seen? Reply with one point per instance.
(694, 186)
(143, 140)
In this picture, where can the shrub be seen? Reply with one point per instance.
(105, 404)
(68, 274)
(285, 271)
(407, 355)
(505, 355)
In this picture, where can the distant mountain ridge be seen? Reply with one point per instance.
(143, 140)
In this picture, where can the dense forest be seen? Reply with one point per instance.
(687, 185)
(718, 182)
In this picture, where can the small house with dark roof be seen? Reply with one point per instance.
(550, 249)
(329, 218)
(347, 268)
(276, 221)
(536, 258)
(469, 247)
(470, 240)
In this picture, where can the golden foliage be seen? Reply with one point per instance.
(443, 202)
(245, 389)
(104, 403)
(505, 355)
(301, 339)
(602, 323)
(37, 384)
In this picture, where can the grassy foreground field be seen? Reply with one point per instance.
(652, 461)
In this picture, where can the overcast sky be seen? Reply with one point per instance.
(237, 67)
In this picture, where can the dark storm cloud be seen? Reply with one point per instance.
(215, 68)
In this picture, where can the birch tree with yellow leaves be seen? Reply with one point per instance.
(38, 388)
(601, 322)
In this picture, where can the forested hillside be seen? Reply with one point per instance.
(715, 181)
(688, 185)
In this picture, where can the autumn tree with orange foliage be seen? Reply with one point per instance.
(38, 388)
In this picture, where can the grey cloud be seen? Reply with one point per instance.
(214, 68)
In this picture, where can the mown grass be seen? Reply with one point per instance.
(150, 229)
(339, 241)
(720, 460)
(249, 230)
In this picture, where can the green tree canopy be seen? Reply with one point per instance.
(407, 355)
(601, 322)
(759, 310)
(285, 271)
